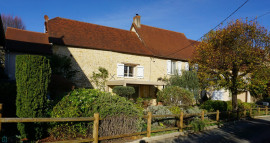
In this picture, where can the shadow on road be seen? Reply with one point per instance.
(252, 130)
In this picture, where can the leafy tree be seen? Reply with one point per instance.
(229, 56)
(32, 78)
(99, 79)
(188, 80)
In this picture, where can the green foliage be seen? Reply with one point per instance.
(259, 80)
(229, 56)
(198, 125)
(86, 102)
(124, 91)
(188, 80)
(175, 109)
(99, 79)
(193, 110)
(161, 110)
(62, 65)
(213, 105)
(32, 76)
(173, 95)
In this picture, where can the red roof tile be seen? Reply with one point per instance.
(27, 41)
(80, 34)
(165, 43)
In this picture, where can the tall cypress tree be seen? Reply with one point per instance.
(33, 74)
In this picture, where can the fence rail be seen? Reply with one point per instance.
(148, 117)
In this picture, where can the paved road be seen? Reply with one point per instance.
(248, 131)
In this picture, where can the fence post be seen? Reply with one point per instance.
(202, 115)
(181, 121)
(245, 113)
(266, 110)
(250, 112)
(95, 129)
(217, 116)
(149, 119)
(1, 108)
(259, 110)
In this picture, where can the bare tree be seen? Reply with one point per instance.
(12, 21)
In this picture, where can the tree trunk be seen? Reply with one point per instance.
(234, 99)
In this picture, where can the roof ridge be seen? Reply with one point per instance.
(26, 30)
(165, 30)
(90, 23)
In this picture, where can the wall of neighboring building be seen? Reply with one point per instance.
(87, 61)
(10, 61)
(224, 95)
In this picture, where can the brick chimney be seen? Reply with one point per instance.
(137, 20)
(46, 23)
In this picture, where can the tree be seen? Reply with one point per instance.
(188, 80)
(229, 56)
(33, 74)
(11, 21)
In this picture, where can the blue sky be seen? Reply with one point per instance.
(191, 17)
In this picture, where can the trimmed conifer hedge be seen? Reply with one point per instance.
(33, 74)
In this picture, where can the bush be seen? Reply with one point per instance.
(174, 95)
(175, 109)
(193, 110)
(86, 102)
(124, 91)
(213, 105)
(197, 124)
(161, 110)
(32, 76)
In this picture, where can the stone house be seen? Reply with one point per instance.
(138, 57)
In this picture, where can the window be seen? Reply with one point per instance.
(128, 71)
(173, 67)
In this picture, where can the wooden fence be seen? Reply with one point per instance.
(148, 117)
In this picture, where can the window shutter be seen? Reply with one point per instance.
(120, 70)
(169, 67)
(187, 67)
(140, 70)
(179, 68)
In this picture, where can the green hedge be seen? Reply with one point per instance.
(86, 102)
(33, 74)
(125, 91)
(173, 95)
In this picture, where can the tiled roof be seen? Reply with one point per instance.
(27, 41)
(86, 35)
(165, 43)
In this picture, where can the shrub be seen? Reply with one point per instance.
(99, 79)
(193, 110)
(32, 76)
(174, 95)
(86, 102)
(175, 109)
(161, 110)
(197, 124)
(125, 91)
(213, 105)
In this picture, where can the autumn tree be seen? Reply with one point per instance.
(229, 56)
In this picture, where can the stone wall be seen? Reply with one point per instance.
(87, 61)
